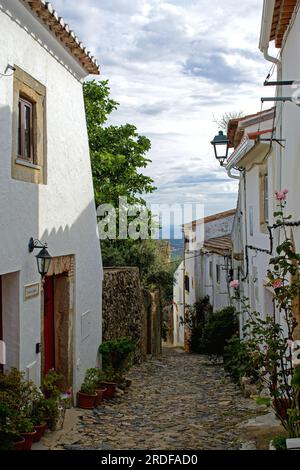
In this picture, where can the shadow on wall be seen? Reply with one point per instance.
(25, 210)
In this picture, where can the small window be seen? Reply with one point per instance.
(251, 221)
(266, 198)
(211, 269)
(25, 130)
(218, 273)
(187, 283)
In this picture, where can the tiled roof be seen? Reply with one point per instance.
(236, 127)
(64, 34)
(211, 218)
(283, 12)
(220, 245)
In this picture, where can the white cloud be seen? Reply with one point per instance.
(174, 65)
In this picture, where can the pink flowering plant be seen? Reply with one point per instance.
(270, 343)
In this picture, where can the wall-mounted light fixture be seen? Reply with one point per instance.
(221, 147)
(43, 258)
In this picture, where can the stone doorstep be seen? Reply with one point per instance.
(51, 439)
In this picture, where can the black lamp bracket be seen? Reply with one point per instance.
(35, 244)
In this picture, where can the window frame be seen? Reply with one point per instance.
(23, 102)
(264, 199)
(218, 274)
(187, 283)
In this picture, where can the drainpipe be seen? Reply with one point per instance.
(267, 19)
(231, 175)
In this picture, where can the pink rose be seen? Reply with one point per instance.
(234, 284)
(281, 195)
(277, 284)
(285, 191)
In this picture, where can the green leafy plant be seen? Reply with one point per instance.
(117, 355)
(195, 318)
(39, 411)
(219, 327)
(279, 442)
(50, 385)
(237, 362)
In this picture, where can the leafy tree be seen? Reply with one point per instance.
(117, 152)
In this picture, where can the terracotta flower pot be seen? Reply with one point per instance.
(110, 389)
(40, 430)
(100, 395)
(28, 436)
(87, 402)
(19, 444)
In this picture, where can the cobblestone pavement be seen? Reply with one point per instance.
(176, 402)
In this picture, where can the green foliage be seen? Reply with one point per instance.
(237, 361)
(146, 255)
(50, 385)
(219, 327)
(117, 355)
(279, 442)
(195, 317)
(265, 401)
(117, 152)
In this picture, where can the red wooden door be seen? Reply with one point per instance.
(1, 320)
(49, 331)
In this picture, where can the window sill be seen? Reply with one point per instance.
(20, 161)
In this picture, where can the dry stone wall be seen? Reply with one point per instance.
(130, 310)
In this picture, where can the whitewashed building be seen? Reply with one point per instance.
(206, 267)
(281, 28)
(252, 239)
(46, 192)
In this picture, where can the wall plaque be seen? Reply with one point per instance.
(31, 290)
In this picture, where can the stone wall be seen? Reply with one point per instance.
(153, 313)
(130, 310)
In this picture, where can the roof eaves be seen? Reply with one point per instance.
(45, 11)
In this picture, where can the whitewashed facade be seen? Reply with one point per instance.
(283, 31)
(252, 245)
(205, 268)
(48, 197)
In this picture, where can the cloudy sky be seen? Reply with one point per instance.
(174, 65)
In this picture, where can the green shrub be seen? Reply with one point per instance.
(219, 327)
(279, 442)
(117, 355)
(237, 361)
(195, 318)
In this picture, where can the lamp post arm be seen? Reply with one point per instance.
(35, 244)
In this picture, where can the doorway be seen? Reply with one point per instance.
(58, 332)
(1, 320)
(49, 325)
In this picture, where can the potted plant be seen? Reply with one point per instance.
(116, 358)
(38, 417)
(26, 429)
(108, 383)
(87, 395)
(52, 393)
(97, 376)
(9, 439)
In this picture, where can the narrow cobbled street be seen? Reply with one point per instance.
(178, 401)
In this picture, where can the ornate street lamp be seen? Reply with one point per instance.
(221, 147)
(43, 258)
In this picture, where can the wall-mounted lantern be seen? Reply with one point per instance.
(43, 258)
(221, 147)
